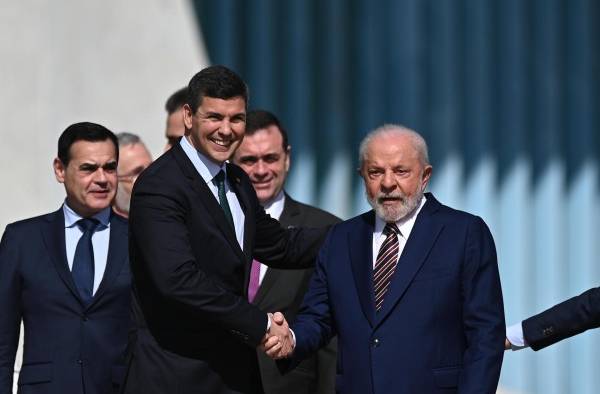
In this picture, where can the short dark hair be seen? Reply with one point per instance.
(84, 131)
(217, 82)
(260, 119)
(176, 100)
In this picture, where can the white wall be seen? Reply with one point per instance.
(110, 62)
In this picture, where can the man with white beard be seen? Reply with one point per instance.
(411, 288)
(133, 159)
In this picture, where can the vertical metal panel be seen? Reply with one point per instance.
(507, 94)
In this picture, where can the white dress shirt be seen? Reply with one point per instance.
(208, 170)
(100, 240)
(405, 226)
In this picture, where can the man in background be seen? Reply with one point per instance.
(265, 156)
(134, 157)
(66, 275)
(175, 127)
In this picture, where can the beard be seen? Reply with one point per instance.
(405, 205)
(122, 199)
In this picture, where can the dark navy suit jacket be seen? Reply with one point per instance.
(441, 326)
(563, 320)
(67, 345)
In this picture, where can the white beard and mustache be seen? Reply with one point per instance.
(392, 213)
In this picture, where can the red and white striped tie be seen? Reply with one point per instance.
(386, 262)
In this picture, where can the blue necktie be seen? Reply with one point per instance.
(83, 261)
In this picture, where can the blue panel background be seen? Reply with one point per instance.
(506, 92)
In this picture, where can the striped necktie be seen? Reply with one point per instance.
(386, 262)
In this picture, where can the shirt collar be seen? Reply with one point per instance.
(275, 207)
(205, 167)
(72, 217)
(405, 224)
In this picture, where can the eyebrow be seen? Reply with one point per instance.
(111, 165)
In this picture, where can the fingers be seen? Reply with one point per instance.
(278, 342)
(279, 318)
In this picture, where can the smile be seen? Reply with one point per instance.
(223, 143)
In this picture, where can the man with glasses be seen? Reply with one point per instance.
(134, 158)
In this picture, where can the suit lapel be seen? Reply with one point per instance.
(290, 210)
(206, 197)
(117, 255)
(360, 242)
(53, 233)
(416, 250)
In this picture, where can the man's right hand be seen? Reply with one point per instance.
(278, 341)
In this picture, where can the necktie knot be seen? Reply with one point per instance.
(88, 225)
(219, 179)
(391, 228)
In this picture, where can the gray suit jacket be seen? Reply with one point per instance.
(283, 290)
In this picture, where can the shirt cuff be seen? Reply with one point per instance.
(293, 339)
(268, 323)
(514, 334)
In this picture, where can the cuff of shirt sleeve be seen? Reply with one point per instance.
(293, 339)
(514, 334)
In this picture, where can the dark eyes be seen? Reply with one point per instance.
(90, 168)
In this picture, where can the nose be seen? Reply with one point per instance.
(388, 182)
(225, 127)
(100, 177)
(260, 169)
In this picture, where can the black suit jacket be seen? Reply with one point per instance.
(67, 345)
(283, 290)
(563, 320)
(195, 331)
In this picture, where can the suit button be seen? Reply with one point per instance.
(80, 361)
(375, 342)
(548, 331)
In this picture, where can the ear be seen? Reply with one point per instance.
(187, 117)
(59, 170)
(426, 175)
(287, 158)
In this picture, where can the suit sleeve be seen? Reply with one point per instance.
(314, 326)
(162, 242)
(292, 248)
(10, 315)
(563, 320)
(483, 313)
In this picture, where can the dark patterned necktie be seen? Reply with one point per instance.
(386, 262)
(219, 181)
(83, 261)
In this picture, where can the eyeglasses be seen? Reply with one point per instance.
(131, 177)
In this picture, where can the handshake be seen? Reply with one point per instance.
(278, 341)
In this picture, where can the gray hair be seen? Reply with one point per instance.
(417, 140)
(126, 139)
